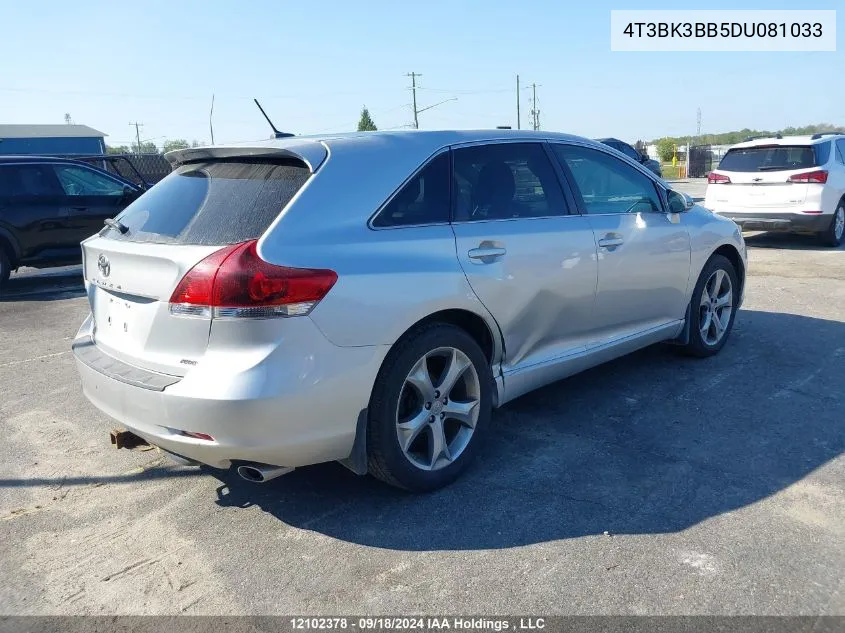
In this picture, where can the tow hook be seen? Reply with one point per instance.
(121, 438)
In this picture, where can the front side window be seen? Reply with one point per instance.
(505, 181)
(607, 184)
(423, 200)
(28, 180)
(79, 181)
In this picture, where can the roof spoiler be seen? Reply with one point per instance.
(311, 153)
(818, 135)
(757, 138)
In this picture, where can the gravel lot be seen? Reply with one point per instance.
(652, 485)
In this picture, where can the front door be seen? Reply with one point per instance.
(91, 197)
(643, 258)
(531, 263)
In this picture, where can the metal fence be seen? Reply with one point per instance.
(700, 161)
(141, 169)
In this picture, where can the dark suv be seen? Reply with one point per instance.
(631, 152)
(49, 205)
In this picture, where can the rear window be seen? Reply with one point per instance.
(775, 157)
(211, 203)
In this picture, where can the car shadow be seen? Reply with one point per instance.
(786, 241)
(49, 284)
(651, 443)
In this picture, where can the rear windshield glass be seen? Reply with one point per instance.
(212, 203)
(775, 157)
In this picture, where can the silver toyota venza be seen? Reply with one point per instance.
(369, 298)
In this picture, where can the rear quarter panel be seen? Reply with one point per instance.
(388, 279)
(708, 232)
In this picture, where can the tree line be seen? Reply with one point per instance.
(666, 145)
(148, 147)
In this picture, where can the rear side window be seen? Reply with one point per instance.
(503, 181)
(775, 157)
(840, 150)
(424, 199)
(212, 203)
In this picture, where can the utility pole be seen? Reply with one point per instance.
(210, 124)
(413, 77)
(698, 117)
(518, 127)
(138, 127)
(535, 113)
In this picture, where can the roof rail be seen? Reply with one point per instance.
(818, 135)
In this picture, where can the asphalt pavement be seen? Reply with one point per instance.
(656, 484)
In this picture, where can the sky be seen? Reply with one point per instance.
(314, 64)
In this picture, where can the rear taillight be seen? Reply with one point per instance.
(717, 179)
(819, 176)
(236, 282)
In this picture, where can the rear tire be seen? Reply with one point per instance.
(713, 307)
(418, 438)
(5, 268)
(834, 235)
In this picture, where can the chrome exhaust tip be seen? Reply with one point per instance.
(259, 473)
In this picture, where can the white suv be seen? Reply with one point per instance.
(791, 183)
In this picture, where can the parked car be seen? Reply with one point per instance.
(632, 153)
(370, 298)
(49, 205)
(791, 183)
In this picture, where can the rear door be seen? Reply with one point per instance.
(759, 176)
(643, 258)
(92, 197)
(192, 213)
(529, 261)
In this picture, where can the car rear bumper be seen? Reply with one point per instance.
(301, 410)
(779, 221)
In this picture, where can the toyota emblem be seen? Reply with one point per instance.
(104, 265)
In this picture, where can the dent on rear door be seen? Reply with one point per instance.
(541, 292)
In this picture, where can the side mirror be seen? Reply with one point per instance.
(679, 202)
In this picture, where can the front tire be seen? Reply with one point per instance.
(429, 409)
(834, 235)
(713, 307)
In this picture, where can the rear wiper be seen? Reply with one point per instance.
(117, 225)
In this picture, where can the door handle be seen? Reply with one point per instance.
(487, 253)
(611, 242)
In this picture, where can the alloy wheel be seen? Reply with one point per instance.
(438, 408)
(716, 307)
(839, 223)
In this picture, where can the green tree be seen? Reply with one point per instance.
(147, 147)
(120, 149)
(177, 143)
(366, 123)
(665, 148)
(738, 136)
